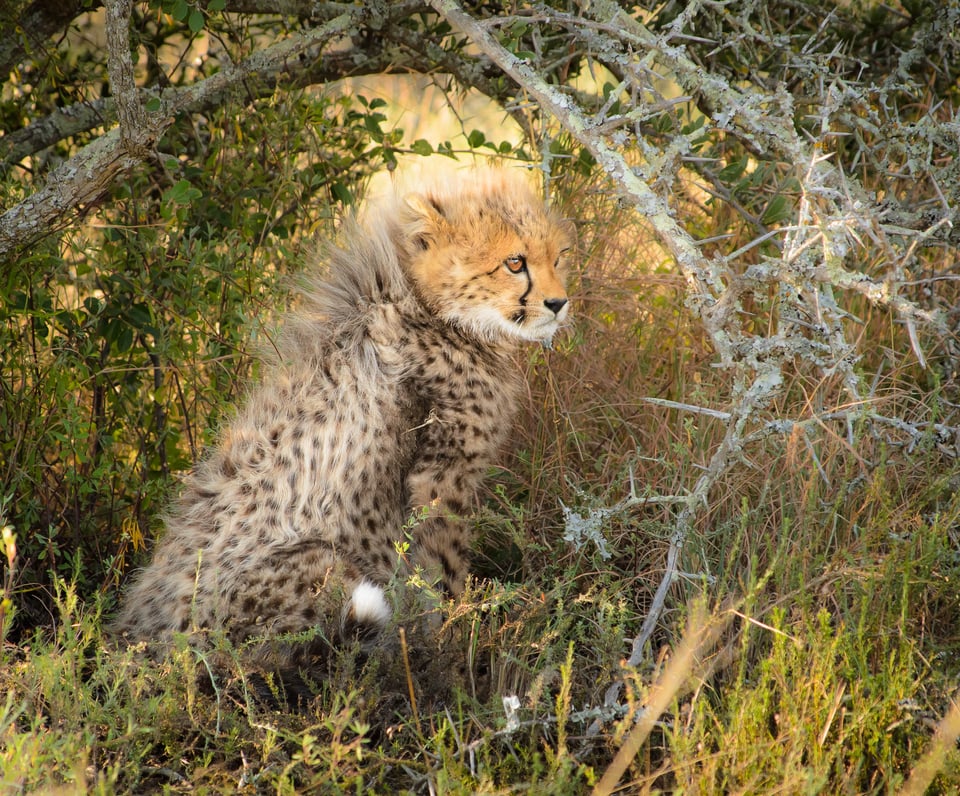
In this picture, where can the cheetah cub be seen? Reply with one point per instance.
(391, 395)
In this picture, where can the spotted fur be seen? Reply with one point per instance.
(393, 392)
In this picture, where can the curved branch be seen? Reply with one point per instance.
(86, 116)
(30, 31)
(87, 176)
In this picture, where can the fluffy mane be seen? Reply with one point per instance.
(363, 269)
(344, 284)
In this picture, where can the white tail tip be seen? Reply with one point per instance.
(368, 606)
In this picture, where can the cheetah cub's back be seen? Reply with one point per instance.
(393, 391)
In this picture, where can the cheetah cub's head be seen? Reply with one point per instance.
(487, 256)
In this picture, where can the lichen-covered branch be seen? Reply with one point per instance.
(57, 126)
(136, 134)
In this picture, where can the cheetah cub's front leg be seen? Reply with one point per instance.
(465, 430)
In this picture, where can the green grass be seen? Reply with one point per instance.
(810, 644)
(837, 658)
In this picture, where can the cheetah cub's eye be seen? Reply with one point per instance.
(516, 264)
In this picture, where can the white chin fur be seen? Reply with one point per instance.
(489, 324)
(539, 332)
(368, 605)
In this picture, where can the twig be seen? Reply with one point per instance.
(760, 392)
(697, 410)
(700, 636)
(410, 689)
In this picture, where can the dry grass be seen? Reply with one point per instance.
(831, 567)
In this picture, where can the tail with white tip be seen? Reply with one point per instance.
(366, 613)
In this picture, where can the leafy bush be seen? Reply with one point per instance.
(124, 342)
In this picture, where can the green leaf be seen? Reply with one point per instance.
(196, 21)
(183, 193)
(216, 5)
(776, 211)
(138, 315)
(421, 147)
(124, 340)
(664, 123)
(372, 125)
(518, 28)
(342, 193)
(181, 10)
(476, 139)
(153, 104)
(585, 162)
(733, 170)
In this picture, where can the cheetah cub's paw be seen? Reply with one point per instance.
(366, 613)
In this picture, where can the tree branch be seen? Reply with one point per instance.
(61, 124)
(28, 31)
(366, 59)
(87, 176)
(136, 134)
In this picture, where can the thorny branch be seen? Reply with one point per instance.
(833, 214)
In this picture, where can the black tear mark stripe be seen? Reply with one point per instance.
(523, 298)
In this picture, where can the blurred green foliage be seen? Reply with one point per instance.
(122, 341)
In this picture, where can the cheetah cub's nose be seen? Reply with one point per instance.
(555, 304)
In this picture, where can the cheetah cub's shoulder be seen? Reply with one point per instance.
(392, 393)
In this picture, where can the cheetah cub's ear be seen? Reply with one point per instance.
(424, 223)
